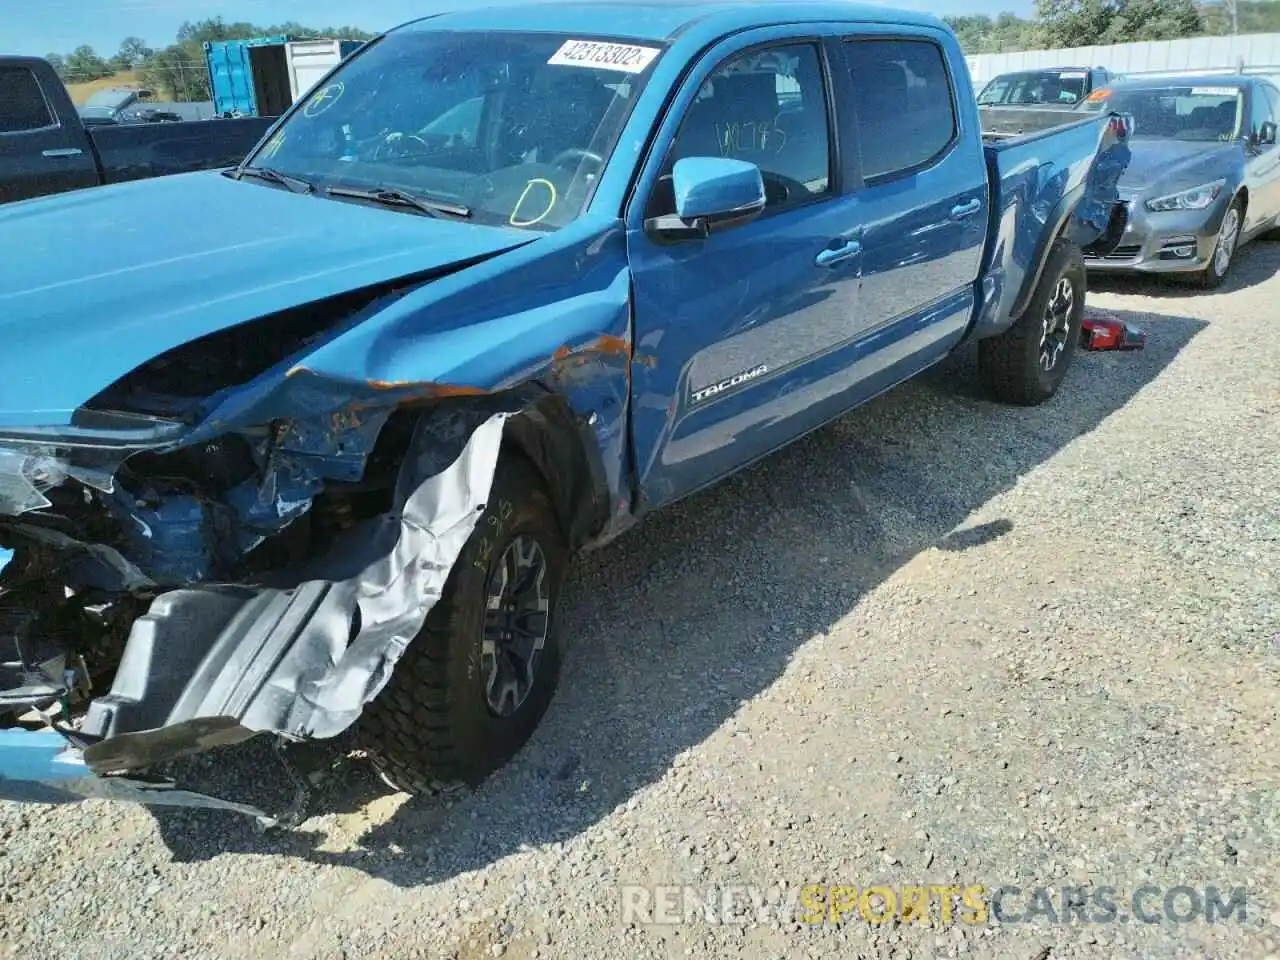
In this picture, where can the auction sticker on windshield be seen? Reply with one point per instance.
(1214, 91)
(1072, 75)
(598, 55)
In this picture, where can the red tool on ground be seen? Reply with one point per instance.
(1110, 333)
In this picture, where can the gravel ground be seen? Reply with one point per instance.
(939, 642)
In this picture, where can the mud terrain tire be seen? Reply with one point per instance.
(1025, 365)
(433, 726)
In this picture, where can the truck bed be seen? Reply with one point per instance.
(1003, 123)
(1058, 181)
(135, 151)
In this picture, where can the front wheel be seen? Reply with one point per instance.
(473, 685)
(1224, 249)
(1025, 364)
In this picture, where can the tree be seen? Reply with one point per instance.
(1081, 23)
(1153, 20)
(980, 34)
(84, 64)
(1240, 16)
(177, 71)
(133, 51)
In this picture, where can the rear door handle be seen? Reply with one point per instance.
(960, 211)
(63, 152)
(833, 255)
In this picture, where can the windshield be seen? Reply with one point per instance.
(1180, 113)
(514, 127)
(1046, 86)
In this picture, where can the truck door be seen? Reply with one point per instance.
(924, 193)
(745, 325)
(37, 155)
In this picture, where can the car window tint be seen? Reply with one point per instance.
(1272, 103)
(768, 107)
(22, 105)
(1259, 110)
(906, 112)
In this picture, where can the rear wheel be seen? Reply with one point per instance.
(473, 685)
(1025, 364)
(1225, 249)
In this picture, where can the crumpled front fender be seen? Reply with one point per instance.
(301, 659)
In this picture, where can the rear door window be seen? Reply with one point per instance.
(905, 105)
(22, 103)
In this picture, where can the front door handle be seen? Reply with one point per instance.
(960, 211)
(62, 152)
(833, 255)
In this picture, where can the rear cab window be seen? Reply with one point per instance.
(905, 105)
(767, 106)
(22, 103)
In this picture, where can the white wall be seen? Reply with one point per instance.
(1259, 52)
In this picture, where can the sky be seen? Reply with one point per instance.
(37, 27)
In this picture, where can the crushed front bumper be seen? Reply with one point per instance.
(43, 766)
(1180, 241)
(212, 665)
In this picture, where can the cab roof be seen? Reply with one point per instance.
(664, 20)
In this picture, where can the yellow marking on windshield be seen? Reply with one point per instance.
(551, 190)
(273, 145)
(323, 99)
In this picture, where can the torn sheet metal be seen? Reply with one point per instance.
(40, 766)
(1095, 213)
(301, 660)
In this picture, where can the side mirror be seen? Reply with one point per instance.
(711, 193)
(1267, 134)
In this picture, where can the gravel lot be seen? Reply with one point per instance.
(939, 642)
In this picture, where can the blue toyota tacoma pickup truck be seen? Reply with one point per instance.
(313, 440)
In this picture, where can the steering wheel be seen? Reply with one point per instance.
(398, 137)
(574, 156)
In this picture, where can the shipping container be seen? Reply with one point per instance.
(262, 77)
(310, 60)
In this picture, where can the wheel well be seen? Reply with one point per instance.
(544, 431)
(563, 451)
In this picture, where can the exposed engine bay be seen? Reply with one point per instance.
(220, 546)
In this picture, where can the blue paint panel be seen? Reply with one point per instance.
(1035, 182)
(702, 21)
(168, 537)
(557, 309)
(759, 300)
(243, 250)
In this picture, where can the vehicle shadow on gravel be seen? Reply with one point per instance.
(1255, 263)
(700, 609)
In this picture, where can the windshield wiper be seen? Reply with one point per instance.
(271, 175)
(400, 198)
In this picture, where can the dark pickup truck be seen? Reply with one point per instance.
(46, 148)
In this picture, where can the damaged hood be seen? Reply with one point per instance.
(1166, 166)
(98, 282)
